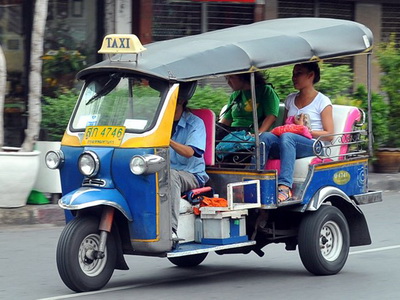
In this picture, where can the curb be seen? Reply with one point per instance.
(32, 214)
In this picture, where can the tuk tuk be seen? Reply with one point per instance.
(115, 167)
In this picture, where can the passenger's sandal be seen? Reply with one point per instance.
(284, 194)
(285, 197)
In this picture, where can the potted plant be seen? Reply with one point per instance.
(59, 69)
(19, 167)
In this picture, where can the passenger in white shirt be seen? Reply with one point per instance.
(289, 146)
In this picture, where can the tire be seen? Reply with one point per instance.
(188, 261)
(76, 270)
(324, 241)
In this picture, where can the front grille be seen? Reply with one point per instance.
(93, 182)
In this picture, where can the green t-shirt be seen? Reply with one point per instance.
(241, 113)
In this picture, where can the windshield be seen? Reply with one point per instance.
(120, 100)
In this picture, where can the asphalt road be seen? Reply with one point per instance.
(28, 269)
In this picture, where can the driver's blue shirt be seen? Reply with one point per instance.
(190, 131)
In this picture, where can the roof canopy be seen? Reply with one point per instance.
(245, 48)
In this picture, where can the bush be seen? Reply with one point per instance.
(335, 81)
(389, 59)
(56, 113)
(379, 115)
(209, 97)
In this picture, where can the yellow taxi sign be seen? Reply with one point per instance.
(121, 43)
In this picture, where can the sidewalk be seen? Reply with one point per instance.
(53, 214)
(384, 182)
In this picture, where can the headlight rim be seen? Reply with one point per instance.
(60, 159)
(144, 162)
(96, 161)
(152, 163)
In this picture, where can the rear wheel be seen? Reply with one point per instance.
(324, 241)
(189, 260)
(76, 262)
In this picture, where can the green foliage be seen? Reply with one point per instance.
(56, 113)
(380, 110)
(62, 61)
(335, 81)
(59, 69)
(209, 97)
(389, 59)
(281, 79)
(347, 100)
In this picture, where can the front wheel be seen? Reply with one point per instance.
(78, 268)
(324, 241)
(189, 260)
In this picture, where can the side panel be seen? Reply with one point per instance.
(220, 178)
(348, 176)
(147, 197)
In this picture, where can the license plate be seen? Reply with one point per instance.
(103, 135)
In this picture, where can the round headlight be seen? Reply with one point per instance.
(89, 163)
(146, 164)
(54, 159)
(138, 165)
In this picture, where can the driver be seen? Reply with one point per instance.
(187, 146)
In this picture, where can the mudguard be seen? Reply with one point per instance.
(359, 232)
(85, 197)
(329, 191)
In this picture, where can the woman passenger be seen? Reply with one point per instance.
(289, 146)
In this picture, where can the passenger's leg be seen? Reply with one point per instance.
(272, 145)
(181, 181)
(292, 146)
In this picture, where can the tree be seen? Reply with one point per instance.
(35, 77)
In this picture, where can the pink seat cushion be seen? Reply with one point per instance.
(273, 164)
(353, 116)
(208, 117)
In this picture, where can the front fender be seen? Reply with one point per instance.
(85, 197)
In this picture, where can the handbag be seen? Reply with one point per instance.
(233, 142)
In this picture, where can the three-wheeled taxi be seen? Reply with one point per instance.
(115, 167)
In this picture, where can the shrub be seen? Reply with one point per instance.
(56, 113)
(281, 79)
(335, 81)
(209, 97)
(379, 115)
(389, 59)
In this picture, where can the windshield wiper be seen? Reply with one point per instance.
(108, 87)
